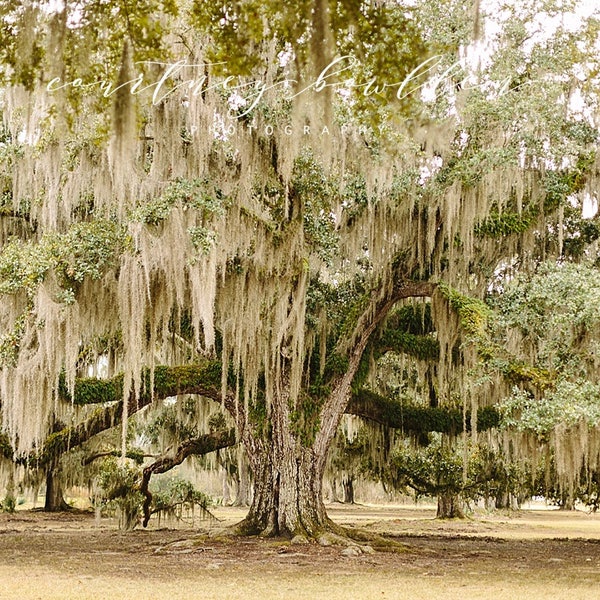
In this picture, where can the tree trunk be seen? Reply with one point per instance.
(287, 498)
(55, 501)
(348, 484)
(502, 498)
(242, 482)
(567, 501)
(334, 493)
(450, 506)
(289, 465)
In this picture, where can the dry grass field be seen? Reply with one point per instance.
(531, 554)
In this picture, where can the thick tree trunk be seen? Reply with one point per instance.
(287, 496)
(55, 501)
(450, 506)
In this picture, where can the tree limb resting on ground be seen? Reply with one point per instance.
(198, 447)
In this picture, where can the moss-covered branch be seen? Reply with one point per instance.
(475, 317)
(414, 419)
(197, 447)
(421, 347)
(203, 379)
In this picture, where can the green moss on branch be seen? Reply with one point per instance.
(415, 419)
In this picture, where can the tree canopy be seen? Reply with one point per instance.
(245, 201)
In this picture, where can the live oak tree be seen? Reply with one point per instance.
(230, 190)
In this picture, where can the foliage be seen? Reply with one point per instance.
(439, 469)
(314, 190)
(428, 472)
(565, 405)
(120, 489)
(171, 497)
(498, 225)
(556, 311)
(196, 194)
(86, 250)
(174, 422)
(8, 504)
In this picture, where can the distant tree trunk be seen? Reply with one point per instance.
(502, 498)
(450, 506)
(334, 491)
(225, 489)
(55, 501)
(9, 502)
(567, 501)
(242, 482)
(348, 484)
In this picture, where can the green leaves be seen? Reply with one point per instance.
(566, 405)
(498, 225)
(197, 194)
(86, 250)
(314, 191)
(556, 309)
(557, 314)
(24, 266)
(473, 313)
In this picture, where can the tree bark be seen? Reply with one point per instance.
(450, 506)
(503, 498)
(288, 479)
(55, 501)
(287, 498)
(348, 484)
(242, 482)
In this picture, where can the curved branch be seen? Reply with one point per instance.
(337, 401)
(421, 347)
(199, 446)
(203, 379)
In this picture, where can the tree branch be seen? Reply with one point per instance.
(414, 419)
(337, 401)
(199, 446)
(203, 379)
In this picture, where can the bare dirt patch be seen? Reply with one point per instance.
(533, 554)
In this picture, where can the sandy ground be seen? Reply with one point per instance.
(532, 554)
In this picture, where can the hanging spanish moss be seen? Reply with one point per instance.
(180, 222)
